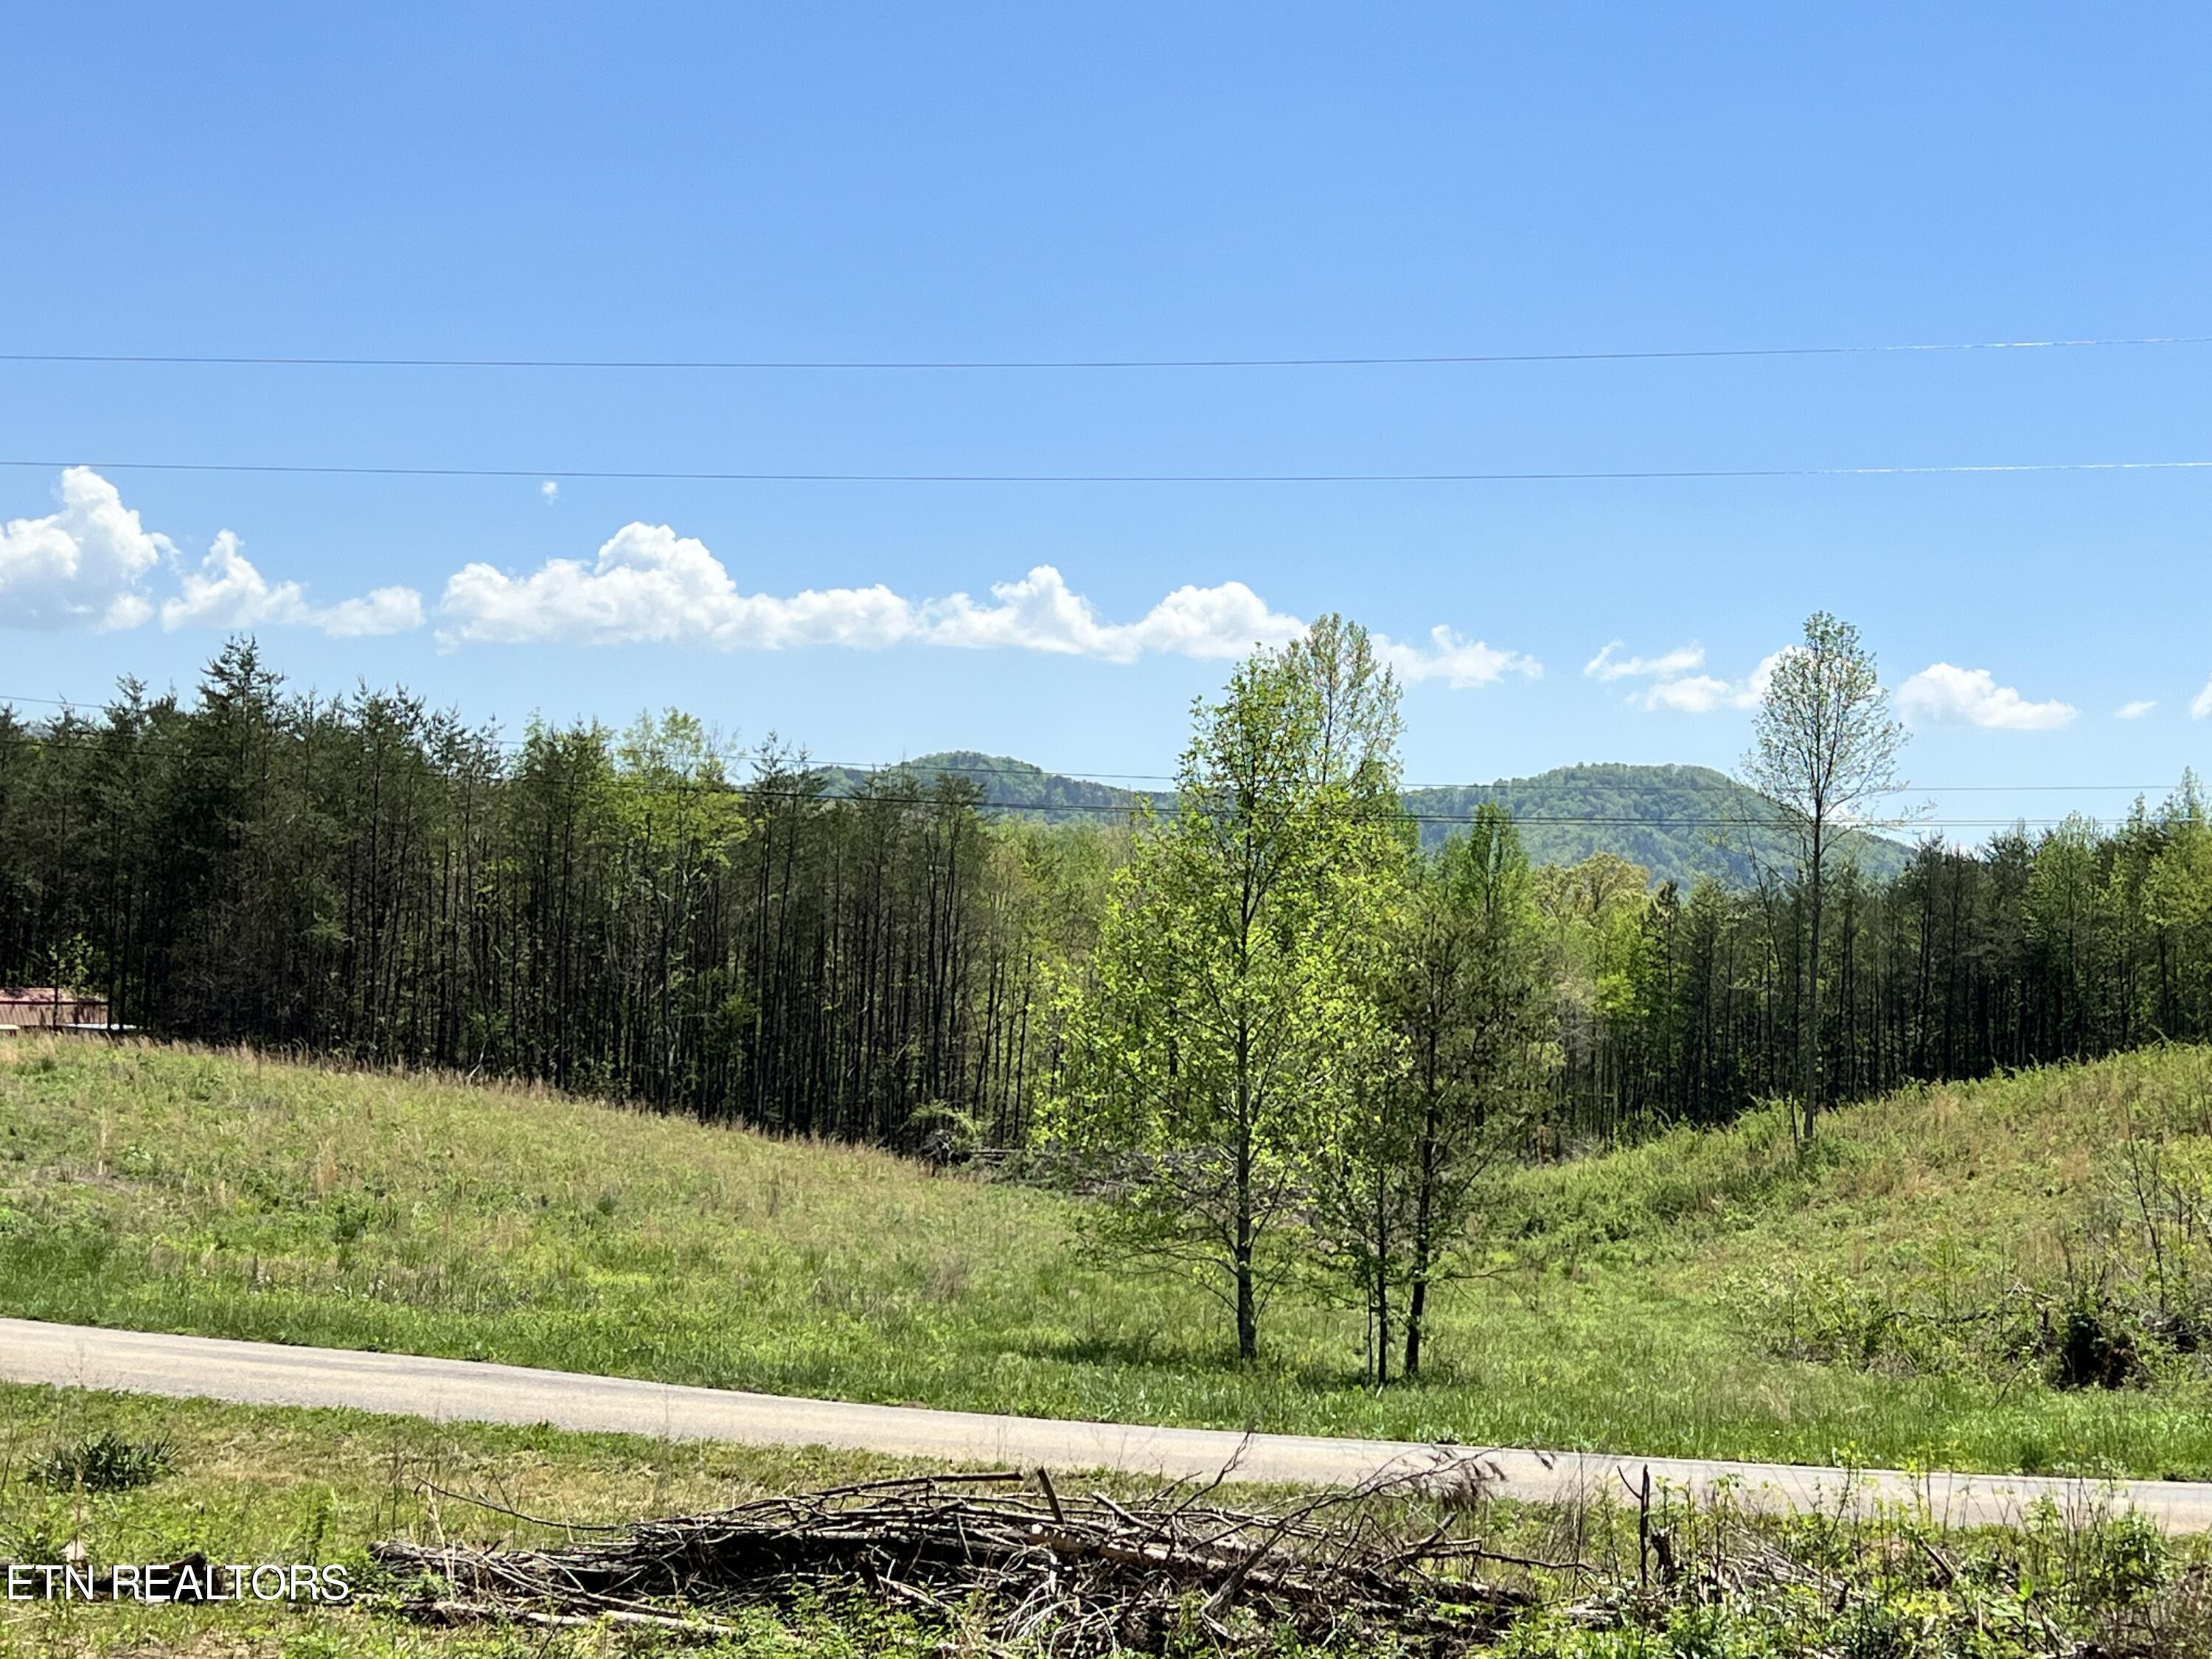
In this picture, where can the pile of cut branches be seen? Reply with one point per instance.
(1024, 1567)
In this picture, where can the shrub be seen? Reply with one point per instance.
(105, 1462)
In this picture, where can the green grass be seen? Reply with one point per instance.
(259, 1485)
(251, 1484)
(1629, 1306)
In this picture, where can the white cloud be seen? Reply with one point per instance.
(226, 591)
(2202, 709)
(1943, 694)
(1675, 683)
(2134, 711)
(80, 567)
(380, 611)
(1695, 694)
(649, 585)
(89, 566)
(549, 491)
(1040, 612)
(1459, 663)
(1671, 665)
(1675, 687)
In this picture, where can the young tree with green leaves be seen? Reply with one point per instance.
(1216, 1037)
(1824, 752)
(1468, 1016)
(1481, 1016)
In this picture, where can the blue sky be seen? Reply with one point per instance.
(846, 182)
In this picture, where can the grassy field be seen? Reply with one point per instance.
(1661, 1300)
(256, 1484)
(267, 1485)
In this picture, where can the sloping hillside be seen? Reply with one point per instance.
(1678, 821)
(1908, 1291)
(1014, 785)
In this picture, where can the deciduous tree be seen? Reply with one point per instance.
(1467, 1015)
(1218, 1038)
(1824, 751)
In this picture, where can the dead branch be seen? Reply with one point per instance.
(1076, 1577)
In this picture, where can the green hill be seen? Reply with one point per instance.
(1912, 1289)
(1678, 821)
(1012, 785)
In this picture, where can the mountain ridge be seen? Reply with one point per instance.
(1679, 822)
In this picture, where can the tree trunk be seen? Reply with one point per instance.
(1811, 1067)
(1382, 1285)
(1248, 1309)
(1248, 1313)
(1417, 1300)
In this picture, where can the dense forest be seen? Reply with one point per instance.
(609, 912)
(645, 913)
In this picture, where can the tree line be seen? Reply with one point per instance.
(1290, 1042)
(615, 913)
(2076, 941)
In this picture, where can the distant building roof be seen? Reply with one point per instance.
(49, 1005)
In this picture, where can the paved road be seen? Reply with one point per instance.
(269, 1374)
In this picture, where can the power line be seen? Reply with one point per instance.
(871, 365)
(1567, 819)
(672, 476)
(1024, 769)
(92, 743)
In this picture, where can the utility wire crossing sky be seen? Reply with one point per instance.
(992, 381)
(571, 474)
(1709, 352)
